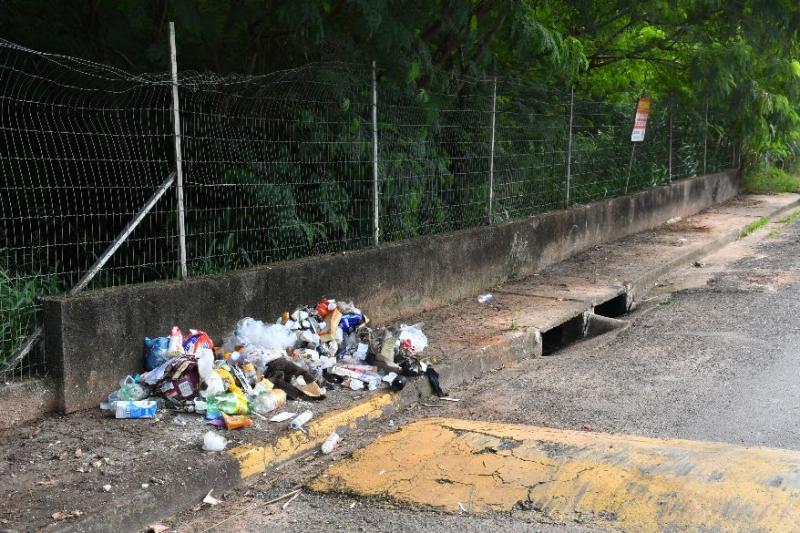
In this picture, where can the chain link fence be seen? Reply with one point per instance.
(284, 165)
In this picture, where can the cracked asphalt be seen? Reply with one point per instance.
(711, 356)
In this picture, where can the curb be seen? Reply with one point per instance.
(644, 283)
(226, 471)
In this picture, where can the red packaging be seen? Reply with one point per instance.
(198, 339)
(182, 380)
(322, 308)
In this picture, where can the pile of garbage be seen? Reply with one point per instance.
(258, 366)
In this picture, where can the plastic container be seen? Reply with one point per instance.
(268, 401)
(135, 409)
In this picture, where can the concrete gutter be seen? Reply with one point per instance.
(95, 337)
(506, 347)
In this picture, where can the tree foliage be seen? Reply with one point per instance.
(742, 54)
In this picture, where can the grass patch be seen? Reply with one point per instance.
(788, 219)
(770, 180)
(755, 225)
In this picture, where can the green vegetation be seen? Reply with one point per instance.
(770, 180)
(790, 218)
(18, 306)
(740, 56)
(754, 226)
(733, 63)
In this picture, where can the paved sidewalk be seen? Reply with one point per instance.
(156, 467)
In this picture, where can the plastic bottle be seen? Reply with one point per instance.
(330, 443)
(269, 401)
(301, 419)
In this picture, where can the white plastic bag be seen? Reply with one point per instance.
(270, 336)
(213, 442)
(414, 334)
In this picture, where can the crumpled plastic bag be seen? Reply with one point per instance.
(413, 338)
(156, 352)
(250, 331)
(259, 356)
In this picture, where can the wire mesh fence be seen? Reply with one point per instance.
(281, 166)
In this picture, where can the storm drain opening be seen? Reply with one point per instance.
(602, 320)
(617, 306)
(560, 336)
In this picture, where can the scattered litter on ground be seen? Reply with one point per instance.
(300, 420)
(698, 264)
(78, 453)
(303, 356)
(157, 528)
(282, 417)
(106, 488)
(330, 443)
(461, 506)
(433, 379)
(448, 399)
(485, 298)
(290, 500)
(210, 500)
(213, 442)
(283, 496)
(66, 515)
(587, 427)
(673, 220)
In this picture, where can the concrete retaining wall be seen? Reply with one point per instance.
(93, 339)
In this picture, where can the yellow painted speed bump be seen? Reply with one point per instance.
(256, 458)
(617, 481)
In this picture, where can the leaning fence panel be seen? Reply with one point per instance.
(282, 165)
(81, 149)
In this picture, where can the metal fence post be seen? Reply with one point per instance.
(491, 152)
(176, 119)
(630, 167)
(375, 191)
(705, 142)
(569, 143)
(670, 141)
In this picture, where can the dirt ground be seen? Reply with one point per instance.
(711, 356)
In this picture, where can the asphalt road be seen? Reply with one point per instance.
(712, 356)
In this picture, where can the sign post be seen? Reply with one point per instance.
(637, 135)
